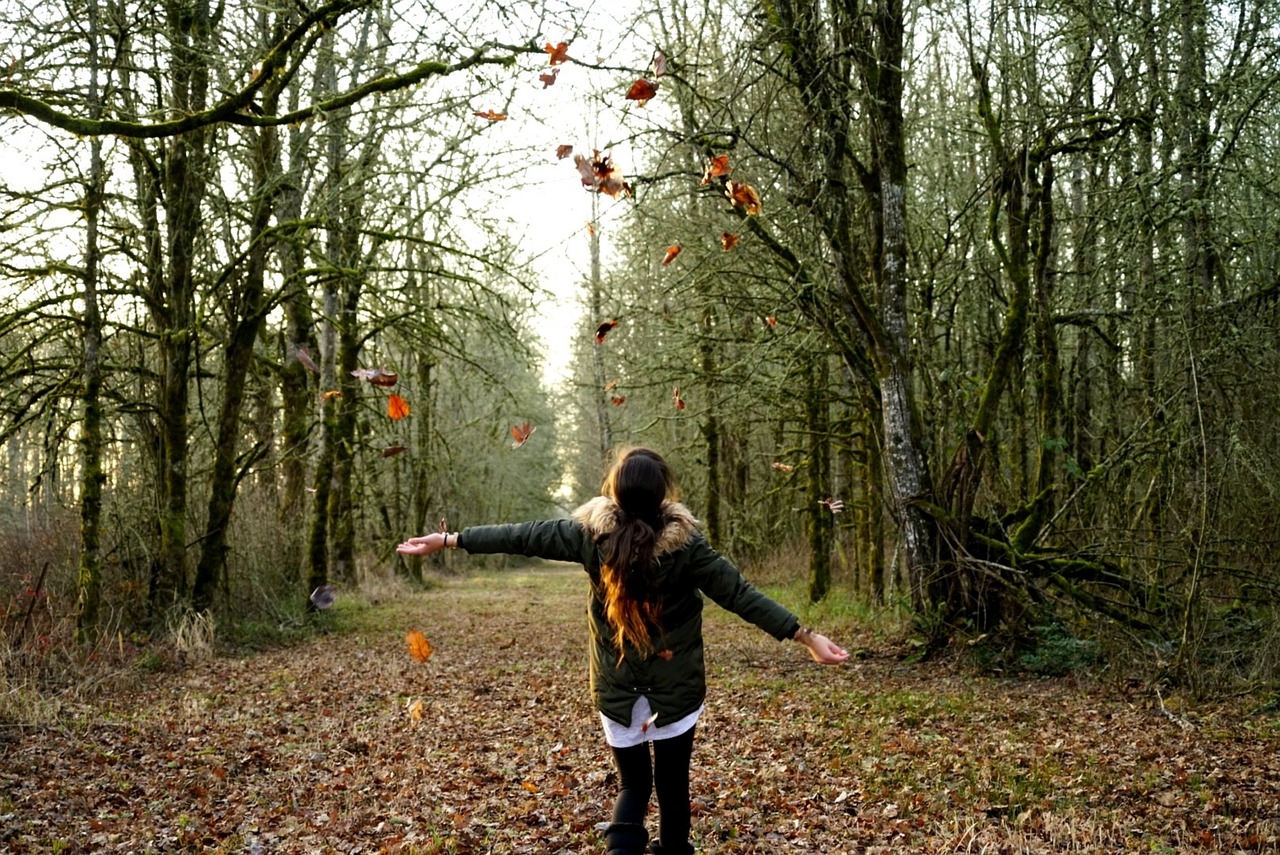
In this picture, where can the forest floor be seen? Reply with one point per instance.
(345, 743)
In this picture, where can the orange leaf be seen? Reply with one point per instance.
(397, 407)
(548, 79)
(332, 393)
(782, 467)
(716, 166)
(603, 330)
(642, 90)
(530, 786)
(611, 385)
(743, 196)
(728, 240)
(563, 151)
(521, 434)
(771, 321)
(672, 252)
(419, 647)
(591, 229)
(618, 400)
(559, 53)
(666, 654)
(376, 376)
(676, 399)
(415, 710)
(491, 115)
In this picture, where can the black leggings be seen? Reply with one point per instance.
(668, 774)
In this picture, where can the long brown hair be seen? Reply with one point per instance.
(640, 483)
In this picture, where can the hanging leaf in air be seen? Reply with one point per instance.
(419, 647)
(549, 78)
(305, 359)
(491, 115)
(782, 467)
(376, 376)
(559, 52)
(611, 385)
(521, 433)
(603, 330)
(672, 252)
(728, 240)
(659, 64)
(716, 166)
(393, 450)
(642, 91)
(743, 196)
(563, 151)
(397, 407)
(618, 400)
(676, 399)
(324, 596)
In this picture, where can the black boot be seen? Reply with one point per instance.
(675, 849)
(626, 838)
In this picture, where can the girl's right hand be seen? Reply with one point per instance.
(423, 544)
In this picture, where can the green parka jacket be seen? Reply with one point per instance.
(673, 676)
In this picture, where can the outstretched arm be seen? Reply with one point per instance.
(821, 648)
(428, 543)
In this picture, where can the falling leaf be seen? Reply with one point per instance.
(676, 399)
(642, 90)
(332, 393)
(716, 166)
(444, 526)
(611, 385)
(376, 376)
(591, 229)
(305, 358)
(603, 330)
(549, 79)
(416, 708)
(559, 53)
(672, 252)
(667, 654)
(648, 723)
(563, 151)
(618, 400)
(491, 115)
(393, 450)
(530, 786)
(834, 505)
(771, 321)
(324, 596)
(782, 467)
(728, 240)
(521, 434)
(397, 407)
(600, 174)
(419, 647)
(659, 64)
(743, 196)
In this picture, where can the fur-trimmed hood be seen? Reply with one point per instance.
(601, 516)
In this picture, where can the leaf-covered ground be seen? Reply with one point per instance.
(324, 747)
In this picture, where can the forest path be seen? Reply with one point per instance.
(344, 743)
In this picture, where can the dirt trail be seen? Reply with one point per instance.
(346, 744)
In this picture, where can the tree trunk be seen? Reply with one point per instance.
(92, 478)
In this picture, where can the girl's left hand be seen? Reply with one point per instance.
(423, 544)
(823, 649)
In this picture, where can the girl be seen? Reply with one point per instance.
(647, 563)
